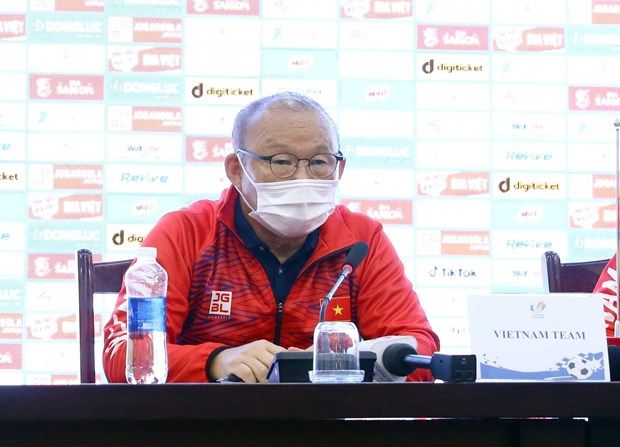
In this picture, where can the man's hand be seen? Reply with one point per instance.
(249, 362)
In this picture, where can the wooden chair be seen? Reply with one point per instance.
(99, 277)
(561, 276)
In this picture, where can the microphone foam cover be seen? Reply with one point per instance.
(356, 255)
(394, 359)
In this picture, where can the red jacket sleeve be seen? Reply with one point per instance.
(389, 305)
(607, 285)
(186, 363)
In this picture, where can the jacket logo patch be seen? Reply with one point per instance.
(221, 303)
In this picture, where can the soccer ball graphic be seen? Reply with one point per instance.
(580, 368)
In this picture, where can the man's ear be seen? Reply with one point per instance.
(233, 169)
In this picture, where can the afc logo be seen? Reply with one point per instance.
(220, 303)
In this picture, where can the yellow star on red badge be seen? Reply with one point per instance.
(338, 310)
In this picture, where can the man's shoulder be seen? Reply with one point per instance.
(194, 209)
(203, 208)
(200, 211)
(356, 222)
(355, 217)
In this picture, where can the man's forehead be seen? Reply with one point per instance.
(288, 121)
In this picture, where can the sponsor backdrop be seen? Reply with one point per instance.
(480, 133)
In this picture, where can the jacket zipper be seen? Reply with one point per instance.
(280, 308)
(279, 312)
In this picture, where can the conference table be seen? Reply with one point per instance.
(479, 414)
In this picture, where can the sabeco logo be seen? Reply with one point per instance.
(505, 186)
(119, 238)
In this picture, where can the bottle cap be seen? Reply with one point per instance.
(150, 252)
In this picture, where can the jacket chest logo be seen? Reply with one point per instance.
(221, 304)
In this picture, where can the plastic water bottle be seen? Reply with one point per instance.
(147, 283)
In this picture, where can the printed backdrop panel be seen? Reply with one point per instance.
(479, 133)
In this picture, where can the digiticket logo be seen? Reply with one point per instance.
(429, 66)
(119, 238)
(505, 186)
(11, 176)
(198, 91)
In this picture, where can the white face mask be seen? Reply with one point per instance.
(292, 208)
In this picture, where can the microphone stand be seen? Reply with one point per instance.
(617, 323)
(345, 272)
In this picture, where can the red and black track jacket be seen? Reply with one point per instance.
(219, 294)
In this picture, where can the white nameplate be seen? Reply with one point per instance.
(539, 337)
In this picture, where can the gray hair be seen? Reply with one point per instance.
(295, 102)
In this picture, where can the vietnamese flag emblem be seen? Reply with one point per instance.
(338, 309)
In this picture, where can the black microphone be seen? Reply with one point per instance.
(356, 255)
(402, 359)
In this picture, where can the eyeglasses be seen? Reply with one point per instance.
(285, 165)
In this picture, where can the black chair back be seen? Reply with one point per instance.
(570, 276)
(98, 277)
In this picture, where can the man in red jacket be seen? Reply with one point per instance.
(247, 273)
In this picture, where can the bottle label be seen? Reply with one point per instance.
(146, 314)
